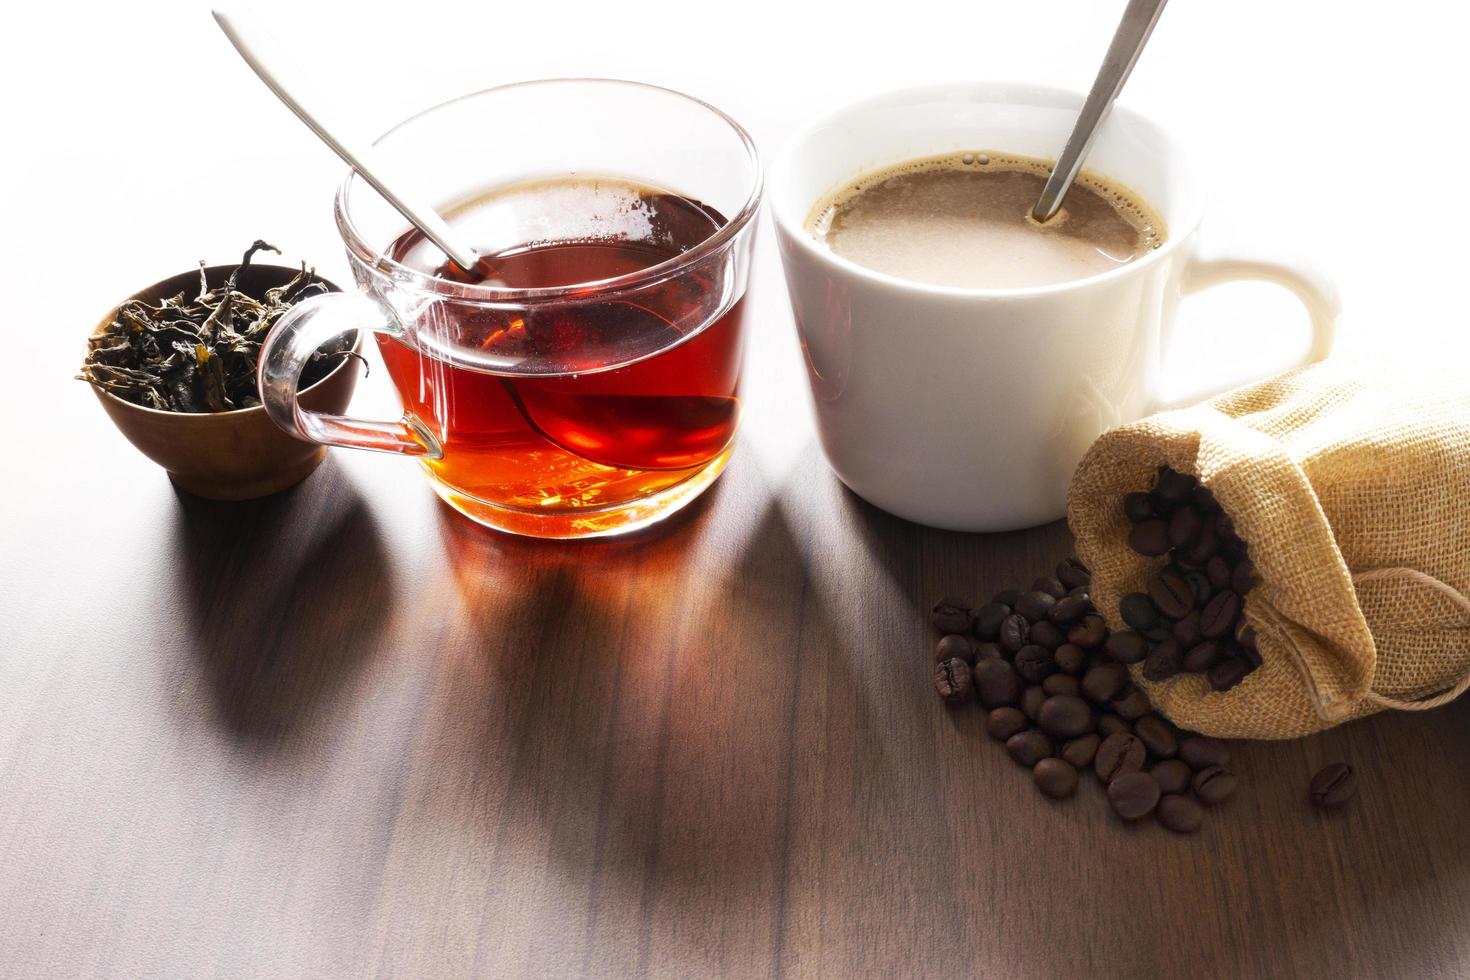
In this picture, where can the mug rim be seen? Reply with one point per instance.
(1008, 92)
(381, 262)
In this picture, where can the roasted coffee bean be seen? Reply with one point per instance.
(1014, 632)
(1247, 637)
(1206, 543)
(988, 619)
(1035, 605)
(1082, 591)
(1070, 658)
(1080, 751)
(1112, 725)
(1164, 661)
(953, 681)
(1156, 736)
(1186, 631)
(1035, 663)
(1218, 617)
(1250, 655)
(1117, 755)
(1126, 647)
(1046, 634)
(1132, 705)
(1333, 786)
(951, 615)
(1070, 610)
(1200, 588)
(1150, 538)
(1243, 576)
(1055, 778)
(1138, 611)
(1201, 752)
(1226, 672)
(1133, 795)
(1073, 574)
(1065, 716)
(1217, 569)
(1171, 595)
(1028, 748)
(1215, 784)
(1184, 525)
(986, 650)
(1180, 814)
(1137, 507)
(997, 683)
(1032, 698)
(1174, 487)
(1173, 776)
(1052, 587)
(1200, 657)
(1005, 722)
(1007, 597)
(1089, 633)
(954, 645)
(1061, 684)
(1102, 684)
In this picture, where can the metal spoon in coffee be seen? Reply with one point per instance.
(1128, 41)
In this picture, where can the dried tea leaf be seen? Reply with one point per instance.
(199, 354)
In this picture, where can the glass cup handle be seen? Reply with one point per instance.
(296, 336)
(1316, 290)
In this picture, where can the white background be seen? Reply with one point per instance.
(136, 143)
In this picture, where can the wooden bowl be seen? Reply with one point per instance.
(235, 455)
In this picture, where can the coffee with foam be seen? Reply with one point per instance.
(964, 219)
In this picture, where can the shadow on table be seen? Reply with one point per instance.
(285, 597)
(636, 699)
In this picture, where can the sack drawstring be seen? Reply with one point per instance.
(1448, 591)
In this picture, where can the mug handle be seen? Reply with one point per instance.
(296, 336)
(1302, 277)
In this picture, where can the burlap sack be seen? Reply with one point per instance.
(1353, 493)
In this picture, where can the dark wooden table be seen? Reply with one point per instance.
(343, 732)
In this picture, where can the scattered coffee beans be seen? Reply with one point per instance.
(1055, 778)
(951, 616)
(1214, 785)
(1133, 795)
(1333, 786)
(1054, 680)
(1080, 751)
(1191, 617)
(1180, 814)
(1005, 722)
(996, 682)
(952, 646)
(1118, 755)
(1172, 776)
(1029, 747)
(953, 681)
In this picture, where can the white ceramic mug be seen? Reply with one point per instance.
(968, 409)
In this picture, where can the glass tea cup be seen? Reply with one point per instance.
(558, 408)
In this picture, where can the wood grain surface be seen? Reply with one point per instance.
(343, 732)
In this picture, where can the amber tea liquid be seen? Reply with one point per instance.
(554, 412)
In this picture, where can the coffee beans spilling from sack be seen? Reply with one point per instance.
(1350, 483)
(1190, 618)
(1054, 680)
